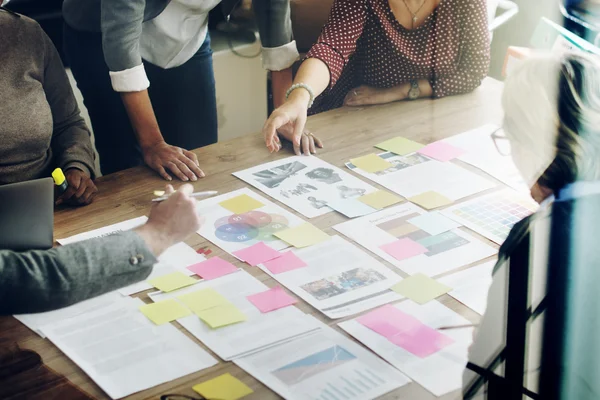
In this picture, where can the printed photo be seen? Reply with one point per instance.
(345, 282)
(301, 188)
(324, 175)
(273, 177)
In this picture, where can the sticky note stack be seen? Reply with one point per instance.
(212, 308)
(224, 387)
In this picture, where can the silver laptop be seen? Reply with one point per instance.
(27, 215)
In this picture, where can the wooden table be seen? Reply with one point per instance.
(347, 132)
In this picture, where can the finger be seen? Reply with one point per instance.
(192, 156)
(318, 142)
(186, 171)
(306, 145)
(169, 189)
(186, 189)
(89, 195)
(193, 167)
(298, 130)
(81, 190)
(270, 129)
(66, 196)
(171, 166)
(162, 172)
(311, 142)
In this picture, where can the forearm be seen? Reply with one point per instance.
(143, 120)
(314, 73)
(400, 92)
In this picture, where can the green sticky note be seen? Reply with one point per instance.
(371, 163)
(223, 315)
(430, 200)
(202, 300)
(224, 387)
(379, 199)
(173, 281)
(164, 311)
(303, 236)
(420, 288)
(400, 146)
(241, 204)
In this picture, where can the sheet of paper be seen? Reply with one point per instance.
(434, 223)
(351, 208)
(123, 352)
(447, 251)
(339, 279)
(222, 315)
(172, 281)
(201, 300)
(272, 299)
(233, 232)
(241, 204)
(321, 366)
(420, 288)
(213, 268)
(105, 231)
(256, 333)
(379, 199)
(440, 372)
(471, 285)
(223, 387)
(371, 163)
(481, 152)
(430, 200)
(304, 235)
(257, 254)
(400, 146)
(164, 311)
(404, 248)
(493, 215)
(287, 262)
(415, 174)
(441, 151)
(305, 184)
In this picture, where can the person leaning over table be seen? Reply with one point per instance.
(381, 51)
(38, 281)
(145, 70)
(40, 125)
(552, 124)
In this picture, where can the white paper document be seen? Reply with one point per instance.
(482, 153)
(324, 365)
(257, 332)
(471, 286)
(305, 184)
(233, 232)
(440, 372)
(123, 352)
(415, 173)
(340, 279)
(445, 252)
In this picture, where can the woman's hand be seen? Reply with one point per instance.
(182, 163)
(81, 189)
(308, 143)
(367, 95)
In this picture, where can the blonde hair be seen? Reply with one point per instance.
(552, 106)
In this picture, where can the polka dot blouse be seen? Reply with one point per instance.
(363, 44)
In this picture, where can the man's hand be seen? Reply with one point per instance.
(182, 163)
(81, 190)
(171, 221)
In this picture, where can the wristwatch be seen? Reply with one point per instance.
(415, 90)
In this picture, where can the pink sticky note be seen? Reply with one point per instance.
(388, 321)
(212, 268)
(271, 299)
(257, 254)
(422, 341)
(441, 151)
(287, 262)
(404, 248)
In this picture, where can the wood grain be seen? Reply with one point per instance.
(347, 132)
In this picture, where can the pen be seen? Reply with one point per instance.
(60, 181)
(197, 194)
(445, 328)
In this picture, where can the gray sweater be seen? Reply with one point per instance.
(40, 124)
(38, 281)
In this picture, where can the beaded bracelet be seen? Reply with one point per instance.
(302, 86)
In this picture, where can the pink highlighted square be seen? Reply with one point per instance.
(422, 341)
(257, 254)
(271, 300)
(213, 268)
(442, 151)
(404, 248)
(287, 262)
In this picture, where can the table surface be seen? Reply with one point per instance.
(347, 132)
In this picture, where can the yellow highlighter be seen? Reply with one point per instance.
(60, 181)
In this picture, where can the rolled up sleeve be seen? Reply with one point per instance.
(279, 51)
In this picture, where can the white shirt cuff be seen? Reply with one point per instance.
(130, 80)
(279, 58)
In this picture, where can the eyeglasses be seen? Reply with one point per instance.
(501, 142)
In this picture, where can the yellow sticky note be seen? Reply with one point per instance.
(371, 163)
(420, 288)
(173, 281)
(379, 199)
(400, 146)
(222, 315)
(165, 311)
(241, 204)
(303, 236)
(430, 200)
(202, 300)
(224, 387)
